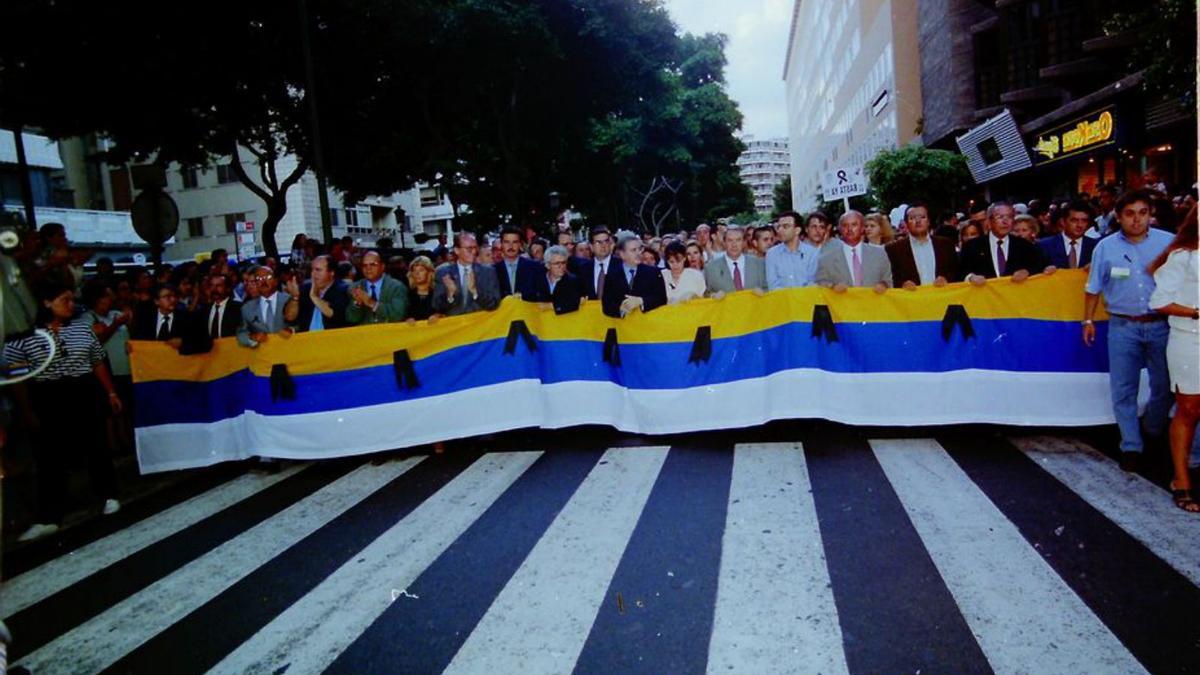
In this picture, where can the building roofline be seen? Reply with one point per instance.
(787, 57)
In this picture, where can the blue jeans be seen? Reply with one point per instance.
(1133, 346)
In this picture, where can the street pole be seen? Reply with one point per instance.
(26, 185)
(311, 95)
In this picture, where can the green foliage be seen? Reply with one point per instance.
(939, 178)
(1166, 49)
(783, 197)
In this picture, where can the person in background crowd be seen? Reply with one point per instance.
(319, 303)
(465, 286)
(734, 271)
(71, 383)
(111, 327)
(921, 259)
(1026, 227)
(764, 239)
(977, 214)
(517, 274)
(263, 315)
(1177, 295)
(57, 263)
(682, 281)
(817, 230)
(879, 230)
(583, 251)
(650, 257)
(1105, 223)
(948, 229)
(106, 271)
(999, 254)
(168, 323)
(1137, 336)
(397, 267)
(537, 250)
(968, 232)
(655, 244)
(420, 290)
(299, 254)
(189, 293)
(1045, 217)
(593, 273)
(695, 256)
(705, 240)
(630, 286)
(243, 292)
(497, 251)
(566, 240)
(792, 262)
(376, 298)
(1070, 249)
(222, 316)
(1163, 215)
(557, 289)
(850, 261)
(346, 272)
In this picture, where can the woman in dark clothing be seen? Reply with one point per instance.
(420, 290)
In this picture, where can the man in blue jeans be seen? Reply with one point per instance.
(1137, 335)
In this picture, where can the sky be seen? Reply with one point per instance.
(758, 33)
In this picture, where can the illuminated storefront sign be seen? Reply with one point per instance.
(1088, 133)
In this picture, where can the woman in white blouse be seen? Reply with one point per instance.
(1177, 294)
(683, 283)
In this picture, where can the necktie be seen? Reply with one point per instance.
(467, 281)
(600, 282)
(214, 326)
(512, 278)
(374, 294)
(1073, 257)
(737, 277)
(164, 329)
(266, 315)
(1001, 263)
(629, 275)
(857, 263)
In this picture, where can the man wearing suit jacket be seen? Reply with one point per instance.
(376, 298)
(851, 261)
(921, 259)
(263, 315)
(220, 318)
(630, 285)
(167, 323)
(465, 286)
(557, 288)
(514, 273)
(1071, 249)
(593, 271)
(998, 254)
(319, 303)
(734, 271)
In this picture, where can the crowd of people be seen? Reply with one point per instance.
(1139, 248)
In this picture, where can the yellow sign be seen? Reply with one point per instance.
(1088, 133)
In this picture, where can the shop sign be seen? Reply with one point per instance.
(1082, 135)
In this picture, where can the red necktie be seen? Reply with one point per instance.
(737, 277)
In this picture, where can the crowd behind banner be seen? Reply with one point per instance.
(1139, 248)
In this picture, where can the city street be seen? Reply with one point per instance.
(796, 547)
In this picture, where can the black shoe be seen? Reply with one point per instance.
(1131, 461)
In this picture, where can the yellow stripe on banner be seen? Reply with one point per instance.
(1058, 297)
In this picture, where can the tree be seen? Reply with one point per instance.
(783, 197)
(1166, 47)
(915, 173)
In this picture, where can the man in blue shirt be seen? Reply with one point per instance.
(1137, 335)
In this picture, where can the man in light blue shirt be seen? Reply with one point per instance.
(792, 263)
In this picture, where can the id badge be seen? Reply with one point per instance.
(1119, 273)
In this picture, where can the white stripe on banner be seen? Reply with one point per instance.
(310, 634)
(1025, 399)
(540, 621)
(1023, 614)
(1135, 504)
(52, 577)
(101, 641)
(775, 610)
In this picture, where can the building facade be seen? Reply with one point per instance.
(762, 166)
(853, 86)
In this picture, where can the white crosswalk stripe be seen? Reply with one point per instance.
(33, 586)
(1024, 616)
(772, 553)
(104, 639)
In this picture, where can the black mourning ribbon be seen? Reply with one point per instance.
(956, 315)
(701, 345)
(822, 324)
(282, 385)
(519, 329)
(406, 377)
(612, 350)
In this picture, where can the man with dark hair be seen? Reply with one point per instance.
(319, 303)
(734, 271)
(790, 263)
(376, 298)
(221, 316)
(566, 240)
(593, 272)
(998, 254)
(516, 274)
(921, 259)
(466, 285)
(1106, 222)
(764, 239)
(167, 323)
(630, 285)
(1071, 249)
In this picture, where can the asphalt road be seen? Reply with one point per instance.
(800, 547)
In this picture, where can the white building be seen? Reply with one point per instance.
(762, 166)
(853, 86)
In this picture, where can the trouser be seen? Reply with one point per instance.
(70, 422)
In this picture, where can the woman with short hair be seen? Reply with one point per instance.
(683, 282)
(420, 289)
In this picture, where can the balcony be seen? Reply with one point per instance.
(87, 228)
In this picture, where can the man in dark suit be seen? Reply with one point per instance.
(1071, 249)
(997, 254)
(593, 271)
(921, 259)
(167, 323)
(465, 286)
(630, 285)
(319, 303)
(220, 318)
(516, 274)
(557, 288)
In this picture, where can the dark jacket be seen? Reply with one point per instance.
(145, 324)
(528, 271)
(1054, 250)
(976, 258)
(585, 269)
(567, 295)
(647, 284)
(904, 264)
(338, 297)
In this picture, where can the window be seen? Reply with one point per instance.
(195, 226)
(333, 217)
(225, 174)
(231, 220)
(351, 218)
(190, 179)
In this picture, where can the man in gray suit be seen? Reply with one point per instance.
(734, 271)
(852, 261)
(263, 315)
(465, 286)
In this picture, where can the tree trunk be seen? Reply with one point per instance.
(276, 210)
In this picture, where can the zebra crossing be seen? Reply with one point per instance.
(831, 553)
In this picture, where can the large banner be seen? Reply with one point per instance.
(1002, 353)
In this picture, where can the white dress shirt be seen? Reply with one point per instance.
(925, 258)
(690, 285)
(849, 251)
(600, 267)
(741, 264)
(1078, 248)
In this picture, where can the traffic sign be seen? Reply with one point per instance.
(845, 182)
(245, 239)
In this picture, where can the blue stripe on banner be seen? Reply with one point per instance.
(1015, 345)
(678, 539)
(462, 583)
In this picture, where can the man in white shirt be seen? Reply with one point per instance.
(921, 259)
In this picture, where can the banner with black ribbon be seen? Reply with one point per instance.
(822, 324)
(406, 377)
(519, 329)
(956, 315)
(701, 345)
(282, 385)
(612, 350)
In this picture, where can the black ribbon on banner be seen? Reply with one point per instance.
(822, 324)
(612, 350)
(956, 315)
(519, 329)
(701, 345)
(282, 385)
(406, 377)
